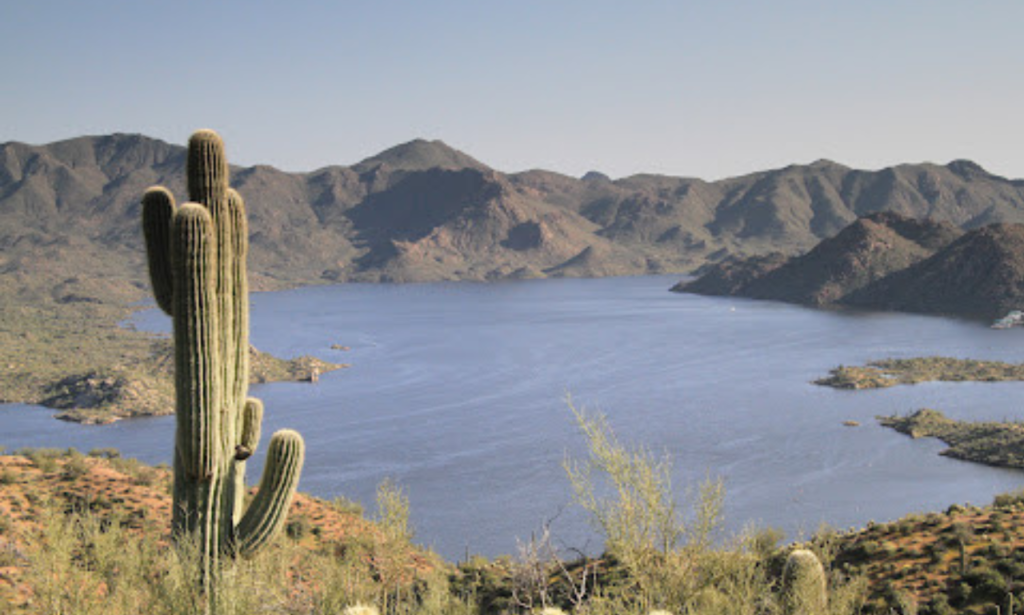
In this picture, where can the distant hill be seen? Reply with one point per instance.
(869, 249)
(420, 155)
(891, 262)
(425, 211)
(981, 274)
(733, 275)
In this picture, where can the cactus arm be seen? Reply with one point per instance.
(157, 211)
(244, 447)
(196, 355)
(252, 421)
(269, 509)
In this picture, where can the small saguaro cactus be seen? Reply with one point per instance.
(804, 585)
(197, 268)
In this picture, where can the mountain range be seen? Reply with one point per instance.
(423, 211)
(887, 261)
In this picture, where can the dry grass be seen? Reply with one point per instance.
(57, 507)
(88, 534)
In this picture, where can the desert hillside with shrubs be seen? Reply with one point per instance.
(89, 533)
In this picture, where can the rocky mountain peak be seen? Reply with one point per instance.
(420, 155)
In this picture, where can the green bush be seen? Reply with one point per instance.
(105, 453)
(74, 468)
(988, 585)
(45, 459)
(939, 606)
(655, 560)
(298, 527)
(765, 541)
(347, 506)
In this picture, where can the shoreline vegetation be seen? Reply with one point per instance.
(891, 372)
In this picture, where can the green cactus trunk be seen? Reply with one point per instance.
(197, 255)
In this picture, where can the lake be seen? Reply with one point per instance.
(458, 392)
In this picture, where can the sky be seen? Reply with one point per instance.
(686, 88)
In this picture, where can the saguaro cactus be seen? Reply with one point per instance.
(197, 255)
(804, 584)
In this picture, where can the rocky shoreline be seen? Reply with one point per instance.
(991, 443)
(104, 397)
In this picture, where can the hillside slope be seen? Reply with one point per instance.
(981, 274)
(867, 250)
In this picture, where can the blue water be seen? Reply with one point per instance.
(458, 392)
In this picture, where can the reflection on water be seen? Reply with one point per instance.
(458, 391)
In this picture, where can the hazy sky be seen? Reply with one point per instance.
(704, 89)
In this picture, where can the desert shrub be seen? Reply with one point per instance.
(867, 549)
(105, 453)
(45, 459)
(484, 582)
(664, 563)
(988, 585)
(1009, 499)
(74, 468)
(936, 552)
(996, 551)
(639, 521)
(1012, 569)
(938, 606)
(951, 541)
(390, 550)
(298, 527)
(906, 526)
(345, 505)
(825, 544)
(763, 542)
(905, 603)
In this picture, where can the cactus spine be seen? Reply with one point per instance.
(197, 255)
(804, 585)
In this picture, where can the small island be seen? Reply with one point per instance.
(891, 372)
(999, 444)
